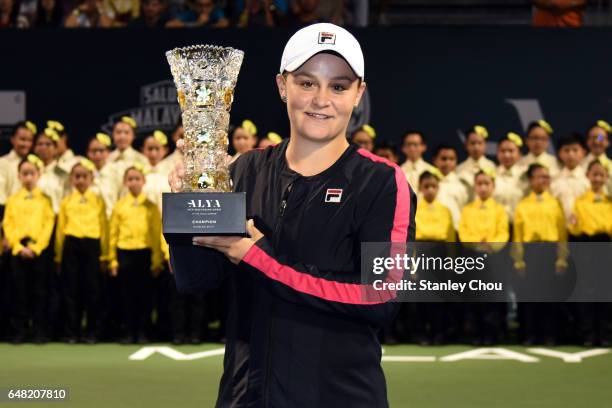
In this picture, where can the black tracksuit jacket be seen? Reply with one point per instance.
(299, 331)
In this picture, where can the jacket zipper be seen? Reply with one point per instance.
(281, 212)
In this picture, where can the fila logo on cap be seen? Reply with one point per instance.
(327, 38)
(333, 195)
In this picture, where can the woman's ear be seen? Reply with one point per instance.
(360, 91)
(282, 87)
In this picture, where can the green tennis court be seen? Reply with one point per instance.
(161, 375)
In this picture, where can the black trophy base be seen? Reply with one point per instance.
(188, 215)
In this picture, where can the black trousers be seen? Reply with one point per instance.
(484, 317)
(594, 318)
(81, 285)
(539, 315)
(4, 295)
(434, 321)
(187, 312)
(136, 286)
(28, 283)
(55, 307)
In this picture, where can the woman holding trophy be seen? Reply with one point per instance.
(300, 331)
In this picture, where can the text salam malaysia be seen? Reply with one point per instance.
(425, 285)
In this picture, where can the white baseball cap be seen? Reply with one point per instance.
(319, 37)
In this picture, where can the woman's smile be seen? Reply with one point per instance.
(318, 116)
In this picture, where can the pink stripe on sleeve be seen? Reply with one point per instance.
(350, 293)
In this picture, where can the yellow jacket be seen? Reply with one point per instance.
(539, 219)
(434, 222)
(165, 248)
(484, 221)
(593, 214)
(82, 216)
(135, 224)
(28, 214)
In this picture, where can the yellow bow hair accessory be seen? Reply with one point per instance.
(104, 139)
(605, 162)
(274, 137)
(88, 164)
(369, 130)
(249, 127)
(604, 125)
(52, 134)
(55, 125)
(436, 172)
(546, 126)
(35, 160)
(481, 131)
(489, 172)
(515, 138)
(129, 120)
(541, 163)
(140, 167)
(31, 126)
(160, 137)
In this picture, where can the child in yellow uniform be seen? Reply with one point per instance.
(124, 133)
(124, 156)
(135, 253)
(538, 140)
(388, 151)
(155, 148)
(364, 137)
(434, 223)
(476, 147)
(98, 150)
(510, 180)
(453, 191)
(540, 223)
(598, 141)
(571, 182)
(176, 156)
(484, 223)
(592, 222)
(484, 220)
(81, 244)
(271, 139)
(28, 224)
(22, 139)
(244, 138)
(413, 147)
(54, 181)
(433, 219)
(64, 154)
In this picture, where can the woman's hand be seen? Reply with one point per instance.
(234, 248)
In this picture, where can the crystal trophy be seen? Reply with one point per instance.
(205, 77)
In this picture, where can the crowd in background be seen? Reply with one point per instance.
(245, 13)
(84, 259)
(179, 13)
